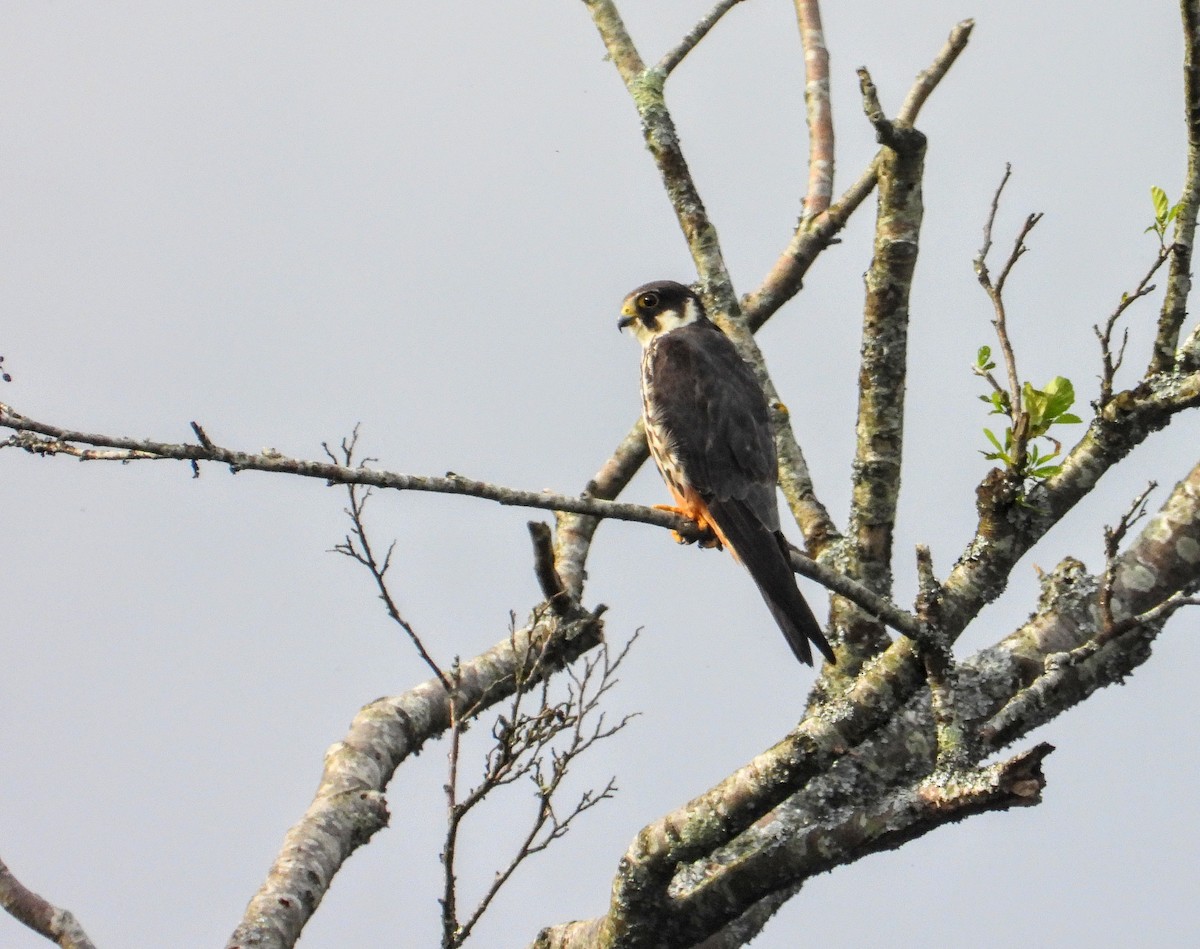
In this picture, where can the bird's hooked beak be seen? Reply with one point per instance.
(628, 315)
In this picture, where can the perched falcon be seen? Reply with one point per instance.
(710, 434)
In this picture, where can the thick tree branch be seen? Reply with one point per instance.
(349, 806)
(882, 375)
(1008, 529)
(662, 139)
(1161, 563)
(901, 816)
(645, 88)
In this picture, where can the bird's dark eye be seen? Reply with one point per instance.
(648, 301)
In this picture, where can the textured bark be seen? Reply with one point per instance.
(882, 374)
(1179, 278)
(349, 806)
(44, 918)
(887, 791)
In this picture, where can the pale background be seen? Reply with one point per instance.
(279, 219)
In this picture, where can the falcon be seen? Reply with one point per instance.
(709, 431)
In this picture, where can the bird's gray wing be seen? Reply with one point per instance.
(713, 412)
(716, 421)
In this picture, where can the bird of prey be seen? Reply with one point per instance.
(709, 431)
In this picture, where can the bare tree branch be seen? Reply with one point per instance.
(995, 292)
(349, 806)
(882, 376)
(818, 109)
(785, 278)
(570, 548)
(675, 56)
(357, 546)
(815, 830)
(1179, 277)
(1111, 363)
(45, 919)
(542, 746)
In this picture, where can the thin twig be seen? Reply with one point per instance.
(995, 292)
(1112, 545)
(357, 546)
(928, 79)
(1112, 363)
(540, 745)
(675, 56)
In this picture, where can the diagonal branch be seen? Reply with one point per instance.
(662, 139)
(786, 276)
(349, 806)
(675, 56)
(58, 925)
(830, 822)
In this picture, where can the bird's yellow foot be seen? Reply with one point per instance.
(707, 539)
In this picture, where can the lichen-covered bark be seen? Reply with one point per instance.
(349, 806)
(884, 793)
(881, 382)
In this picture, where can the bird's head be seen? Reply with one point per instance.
(656, 308)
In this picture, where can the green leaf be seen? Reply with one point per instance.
(983, 357)
(1068, 418)
(1060, 396)
(1001, 453)
(1159, 197)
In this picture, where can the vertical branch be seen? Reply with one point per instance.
(449, 900)
(819, 113)
(784, 279)
(1179, 278)
(995, 292)
(882, 373)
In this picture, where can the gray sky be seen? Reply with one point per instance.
(280, 219)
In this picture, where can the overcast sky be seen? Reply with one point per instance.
(280, 219)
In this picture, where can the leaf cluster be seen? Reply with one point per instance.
(1164, 214)
(1041, 409)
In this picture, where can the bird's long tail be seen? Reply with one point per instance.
(764, 554)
